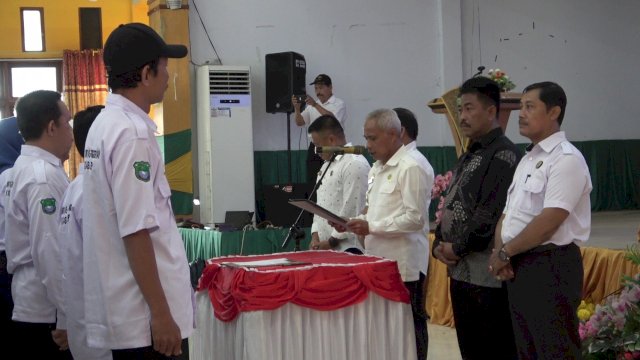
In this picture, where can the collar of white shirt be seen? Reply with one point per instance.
(128, 106)
(331, 100)
(30, 150)
(411, 146)
(393, 160)
(551, 141)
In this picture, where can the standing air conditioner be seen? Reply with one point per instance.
(225, 141)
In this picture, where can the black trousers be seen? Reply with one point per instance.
(6, 302)
(147, 353)
(420, 317)
(483, 321)
(544, 298)
(34, 341)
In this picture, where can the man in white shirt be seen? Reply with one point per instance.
(138, 296)
(10, 143)
(409, 136)
(548, 212)
(343, 187)
(70, 232)
(327, 104)
(35, 188)
(396, 222)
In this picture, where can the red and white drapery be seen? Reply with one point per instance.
(85, 84)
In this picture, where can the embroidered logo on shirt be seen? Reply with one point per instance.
(142, 170)
(48, 205)
(389, 177)
(539, 164)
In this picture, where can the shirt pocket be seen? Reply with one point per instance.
(388, 188)
(533, 201)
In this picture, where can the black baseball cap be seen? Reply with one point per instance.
(130, 46)
(322, 79)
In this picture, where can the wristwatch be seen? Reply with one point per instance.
(503, 256)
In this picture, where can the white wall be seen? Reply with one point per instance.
(406, 52)
(590, 47)
(379, 54)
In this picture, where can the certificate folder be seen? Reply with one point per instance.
(316, 209)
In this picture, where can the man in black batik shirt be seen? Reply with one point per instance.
(464, 237)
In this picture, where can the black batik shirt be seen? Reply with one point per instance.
(473, 205)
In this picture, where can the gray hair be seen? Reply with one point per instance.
(385, 119)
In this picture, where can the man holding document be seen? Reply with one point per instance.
(343, 187)
(396, 222)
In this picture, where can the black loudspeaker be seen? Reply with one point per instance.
(285, 77)
(277, 208)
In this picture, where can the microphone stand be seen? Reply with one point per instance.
(480, 70)
(295, 231)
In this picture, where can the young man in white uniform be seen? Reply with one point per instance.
(10, 143)
(343, 188)
(138, 296)
(70, 232)
(35, 190)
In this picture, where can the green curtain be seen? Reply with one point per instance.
(207, 244)
(615, 173)
(614, 167)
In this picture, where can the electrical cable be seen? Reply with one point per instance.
(205, 31)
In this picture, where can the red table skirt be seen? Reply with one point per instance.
(327, 281)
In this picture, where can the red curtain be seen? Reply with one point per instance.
(85, 84)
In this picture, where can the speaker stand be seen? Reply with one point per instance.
(289, 145)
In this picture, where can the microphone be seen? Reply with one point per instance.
(339, 150)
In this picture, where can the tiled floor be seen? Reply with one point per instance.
(613, 230)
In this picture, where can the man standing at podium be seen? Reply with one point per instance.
(396, 222)
(343, 187)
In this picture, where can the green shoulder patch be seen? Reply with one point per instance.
(142, 169)
(48, 205)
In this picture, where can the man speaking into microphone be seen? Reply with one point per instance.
(343, 188)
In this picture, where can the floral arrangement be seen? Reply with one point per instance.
(612, 331)
(440, 185)
(586, 310)
(502, 79)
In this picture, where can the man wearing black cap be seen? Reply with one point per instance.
(137, 288)
(327, 104)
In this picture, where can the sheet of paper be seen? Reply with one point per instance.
(260, 263)
(316, 209)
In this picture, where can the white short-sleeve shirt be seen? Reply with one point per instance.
(412, 149)
(553, 173)
(125, 183)
(3, 196)
(333, 104)
(70, 232)
(36, 185)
